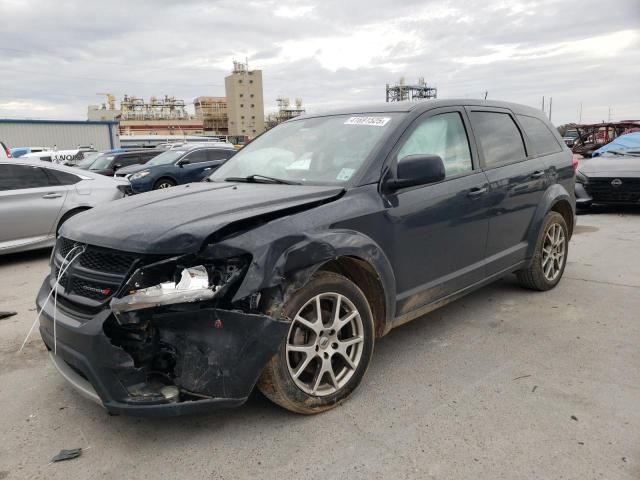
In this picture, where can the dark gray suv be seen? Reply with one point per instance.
(284, 267)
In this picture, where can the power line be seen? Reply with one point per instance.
(106, 62)
(107, 80)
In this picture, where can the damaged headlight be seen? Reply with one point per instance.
(167, 283)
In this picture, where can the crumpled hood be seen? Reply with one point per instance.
(177, 220)
(608, 165)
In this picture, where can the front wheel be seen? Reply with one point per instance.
(327, 350)
(550, 257)
(164, 183)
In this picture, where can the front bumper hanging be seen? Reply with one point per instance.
(210, 357)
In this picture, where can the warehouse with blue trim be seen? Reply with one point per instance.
(62, 134)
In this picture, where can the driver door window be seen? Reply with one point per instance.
(443, 135)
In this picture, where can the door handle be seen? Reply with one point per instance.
(476, 191)
(537, 174)
(52, 195)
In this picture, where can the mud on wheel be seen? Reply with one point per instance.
(327, 349)
(550, 257)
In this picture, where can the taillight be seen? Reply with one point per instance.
(574, 161)
(8, 152)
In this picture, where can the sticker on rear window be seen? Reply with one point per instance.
(373, 121)
(345, 174)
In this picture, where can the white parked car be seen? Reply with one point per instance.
(37, 197)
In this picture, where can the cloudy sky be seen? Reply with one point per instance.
(56, 55)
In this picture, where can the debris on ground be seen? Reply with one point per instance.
(523, 376)
(573, 417)
(67, 455)
(534, 388)
(7, 314)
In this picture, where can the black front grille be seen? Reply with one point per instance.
(94, 276)
(105, 261)
(603, 190)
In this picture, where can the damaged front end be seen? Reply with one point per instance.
(168, 341)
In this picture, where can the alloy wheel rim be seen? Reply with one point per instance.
(164, 185)
(553, 252)
(325, 344)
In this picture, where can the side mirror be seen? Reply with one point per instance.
(416, 170)
(184, 162)
(117, 166)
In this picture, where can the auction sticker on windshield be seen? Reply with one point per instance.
(373, 121)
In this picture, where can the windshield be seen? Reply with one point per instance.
(89, 158)
(167, 157)
(323, 150)
(102, 162)
(629, 153)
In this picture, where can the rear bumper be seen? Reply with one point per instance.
(215, 366)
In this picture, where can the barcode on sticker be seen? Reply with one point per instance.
(374, 121)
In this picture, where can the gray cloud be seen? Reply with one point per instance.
(56, 56)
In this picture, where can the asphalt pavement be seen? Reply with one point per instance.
(503, 384)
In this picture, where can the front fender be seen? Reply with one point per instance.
(291, 261)
(552, 195)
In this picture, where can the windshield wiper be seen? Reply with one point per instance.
(256, 178)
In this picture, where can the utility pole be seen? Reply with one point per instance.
(543, 103)
(485, 94)
(550, 105)
(609, 114)
(580, 114)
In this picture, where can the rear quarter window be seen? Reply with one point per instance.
(499, 138)
(63, 178)
(543, 140)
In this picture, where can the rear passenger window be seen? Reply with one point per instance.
(128, 160)
(544, 142)
(499, 138)
(443, 135)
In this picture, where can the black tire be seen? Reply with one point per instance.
(276, 381)
(66, 217)
(164, 183)
(534, 276)
(583, 207)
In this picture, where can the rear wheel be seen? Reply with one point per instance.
(550, 257)
(164, 183)
(327, 350)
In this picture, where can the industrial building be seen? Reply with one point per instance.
(245, 105)
(61, 134)
(213, 113)
(402, 92)
(285, 112)
(158, 116)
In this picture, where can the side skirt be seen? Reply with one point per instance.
(421, 311)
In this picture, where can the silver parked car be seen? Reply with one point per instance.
(37, 197)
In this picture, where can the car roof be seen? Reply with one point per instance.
(423, 106)
(219, 145)
(36, 162)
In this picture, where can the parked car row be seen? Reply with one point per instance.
(189, 163)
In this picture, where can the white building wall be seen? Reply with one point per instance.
(62, 134)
